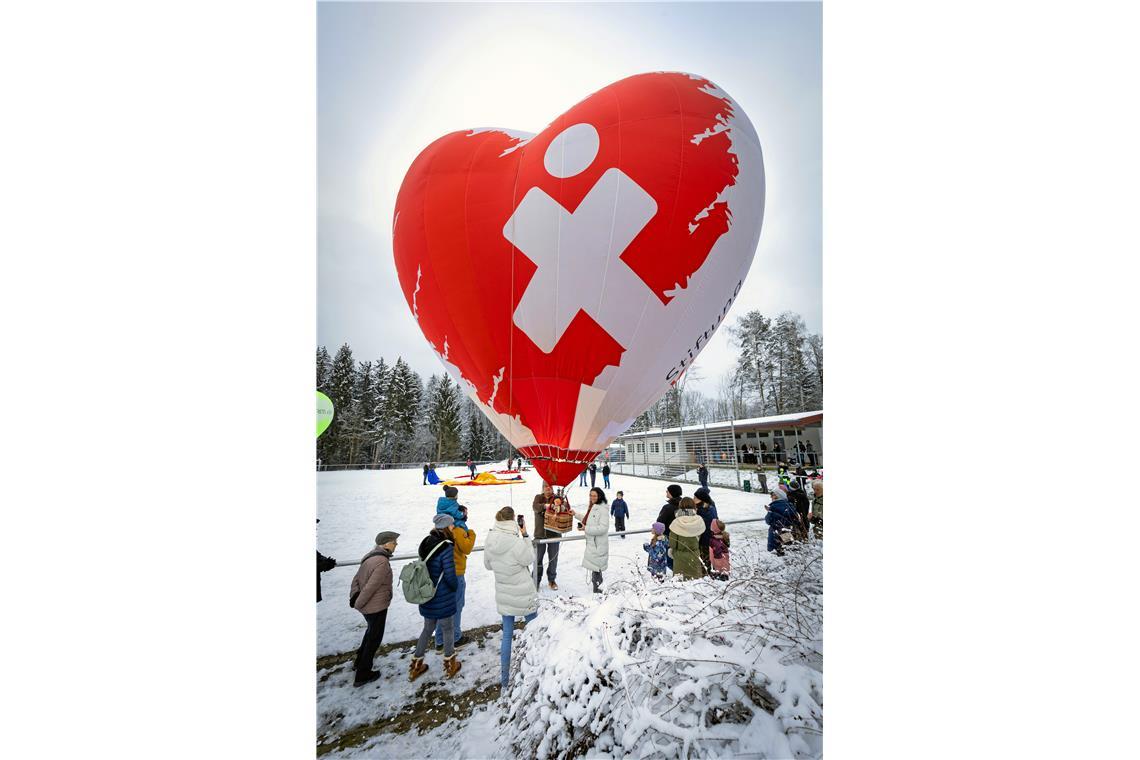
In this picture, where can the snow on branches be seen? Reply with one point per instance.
(677, 669)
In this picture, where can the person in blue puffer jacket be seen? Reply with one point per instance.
(440, 609)
(447, 505)
(781, 514)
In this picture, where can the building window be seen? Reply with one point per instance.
(764, 434)
(750, 435)
(641, 448)
(789, 432)
(670, 447)
(654, 448)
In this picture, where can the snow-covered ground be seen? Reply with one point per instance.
(354, 506)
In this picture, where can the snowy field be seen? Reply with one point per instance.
(771, 707)
(354, 506)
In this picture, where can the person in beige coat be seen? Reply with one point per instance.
(370, 595)
(684, 541)
(596, 522)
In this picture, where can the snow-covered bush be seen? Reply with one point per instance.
(677, 669)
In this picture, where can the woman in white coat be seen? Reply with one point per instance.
(596, 521)
(509, 556)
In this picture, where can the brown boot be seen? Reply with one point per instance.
(417, 668)
(451, 665)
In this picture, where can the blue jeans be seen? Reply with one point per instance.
(582, 479)
(606, 480)
(505, 650)
(460, 593)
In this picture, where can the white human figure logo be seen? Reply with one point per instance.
(578, 254)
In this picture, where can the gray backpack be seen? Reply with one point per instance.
(415, 580)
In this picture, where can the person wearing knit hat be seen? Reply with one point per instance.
(706, 510)
(685, 541)
(781, 515)
(668, 511)
(658, 549)
(463, 540)
(371, 594)
(447, 505)
(799, 500)
(436, 551)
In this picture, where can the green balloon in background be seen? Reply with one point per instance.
(324, 413)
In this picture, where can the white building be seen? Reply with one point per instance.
(729, 443)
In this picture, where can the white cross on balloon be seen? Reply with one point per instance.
(578, 254)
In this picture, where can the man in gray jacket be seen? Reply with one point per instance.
(370, 595)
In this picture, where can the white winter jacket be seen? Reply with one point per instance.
(597, 554)
(509, 556)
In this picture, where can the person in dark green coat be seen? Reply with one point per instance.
(684, 541)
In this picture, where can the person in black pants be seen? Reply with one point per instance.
(371, 595)
(619, 511)
(425, 474)
(593, 474)
(668, 512)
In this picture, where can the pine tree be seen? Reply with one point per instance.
(324, 366)
(443, 421)
(378, 420)
(402, 410)
(815, 366)
(754, 366)
(363, 415)
(333, 447)
(475, 433)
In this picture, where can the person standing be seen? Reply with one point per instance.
(593, 474)
(817, 509)
(781, 515)
(371, 594)
(464, 540)
(811, 454)
(658, 548)
(324, 564)
(799, 500)
(801, 476)
(703, 476)
(543, 502)
(619, 511)
(606, 475)
(508, 555)
(436, 550)
(596, 522)
(718, 552)
(471, 466)
(668, 511)
(582, 476)
(685, 541)
(706, 510)
(763, 452)
(426, 468)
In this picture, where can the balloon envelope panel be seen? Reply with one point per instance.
(566, 279)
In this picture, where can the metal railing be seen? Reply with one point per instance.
(414, 555)
(321, 467)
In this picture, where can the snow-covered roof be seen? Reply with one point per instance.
(797, 420)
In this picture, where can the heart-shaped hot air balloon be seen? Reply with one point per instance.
(567, 279)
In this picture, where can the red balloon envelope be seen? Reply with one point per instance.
(567, 279)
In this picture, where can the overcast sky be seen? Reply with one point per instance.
(394, 77)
